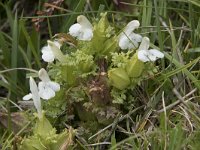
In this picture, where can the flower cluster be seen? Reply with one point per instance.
(83, 30)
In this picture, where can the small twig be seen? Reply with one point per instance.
(82, 140)
(178, 95)
(192, 113)
(122, 130)
(165, 118)
(177, 102)
(186, 115)
(99, 132)
(140, 125)
(96, 144)
(56, 7)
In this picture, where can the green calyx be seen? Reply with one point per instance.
(45, 137)
(119, 78)
(134, 67)
(43, 127)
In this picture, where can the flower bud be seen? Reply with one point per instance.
(118, 78)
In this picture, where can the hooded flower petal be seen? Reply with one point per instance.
(35, 96)
(55, 49)
(128, 39)
(47, 52)
(47, 88)
(144, 44)
(83, 29)
(148, 55)
(43, 75)
(131, 26)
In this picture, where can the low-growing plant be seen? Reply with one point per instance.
(96, 70)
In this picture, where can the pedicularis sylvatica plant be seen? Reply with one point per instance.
(92, 71)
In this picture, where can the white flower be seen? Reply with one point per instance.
(128, 39)
(47, 88)
(35, 96)
(47, 52)
(148, 55)
(83, 29)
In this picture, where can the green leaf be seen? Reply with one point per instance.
(113, 140)
(14, 53)
(36, 54)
